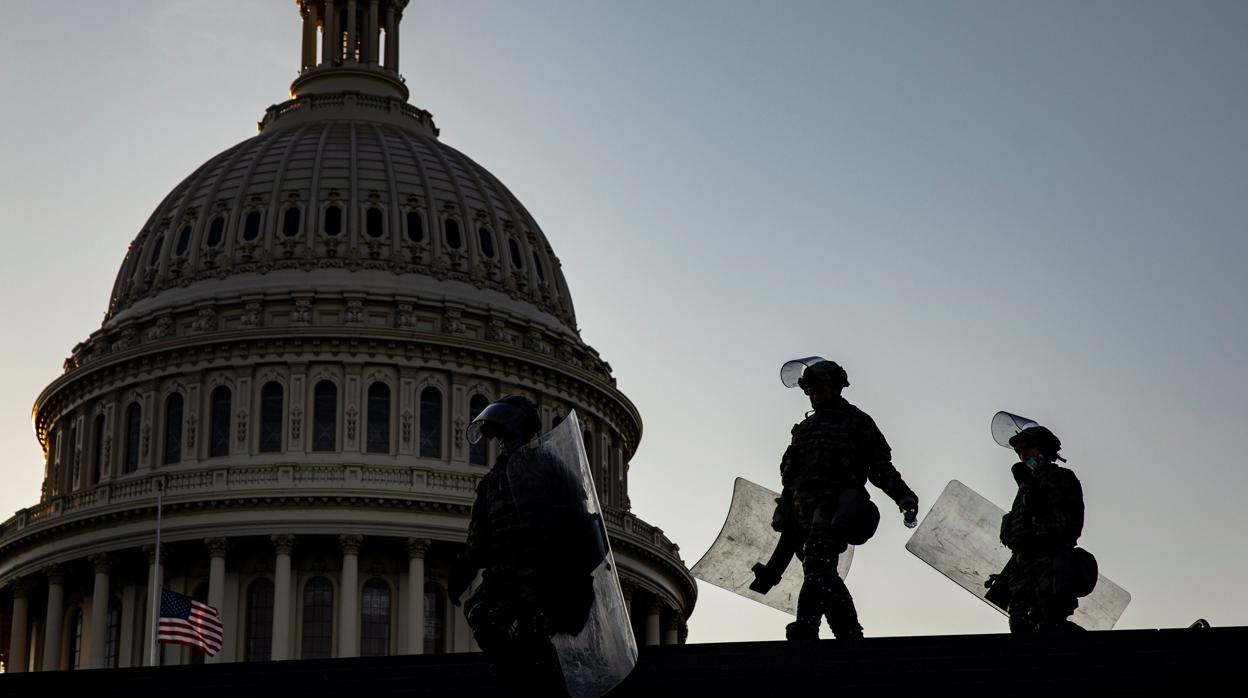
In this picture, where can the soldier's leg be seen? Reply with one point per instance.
(518, 646)
(834, 599)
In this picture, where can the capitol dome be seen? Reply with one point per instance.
(295, 342)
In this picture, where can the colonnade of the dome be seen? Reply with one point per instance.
(281, 596)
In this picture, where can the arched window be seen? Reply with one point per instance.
(290, 222)
(75, 646)
(588, 436)
(556, 421)
(251, 226)
(134, 427)
(216, 231)
(324, 416)
(271, 399)
(487, 241)
(453, 238)
(97, 451)
(415, 227)
(375, 621)
(333, 220)
(537, 266)
(378, 418)
(173, 429)
(76, 475)
(258, 642)
(154, 258)
(435, 619)
(318, 619)
(373, 222)
(431, 423)
(184, 241)
(514, 248)
(112, 634)
(219, 422)
(477, 452)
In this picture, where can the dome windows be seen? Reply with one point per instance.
(453, 239)
(173, 429)
(415, 226)
(134, 427)
(537, 267)
(216, 231)
(324, 416)
(374, 222)
(487, 242)
(378, 429)
(154, 258)
(219, 422)
(251, 226)
(333, 220)
(513, 247)
(431, 423)
(184, 240)
(290, 222)
(271, 400)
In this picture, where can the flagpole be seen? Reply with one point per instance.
(156, 585)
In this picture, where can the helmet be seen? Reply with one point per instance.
(1041, 438)
(512, 419)
(813, 370)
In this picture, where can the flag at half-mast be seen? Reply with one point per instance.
(185, 621)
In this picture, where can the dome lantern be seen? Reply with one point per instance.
(358, 48)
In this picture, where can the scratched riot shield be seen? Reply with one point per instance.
(554, 492)
(748, 551)
(960, 538)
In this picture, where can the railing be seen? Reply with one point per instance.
(224, 482)
(331, 101)
(227, 481)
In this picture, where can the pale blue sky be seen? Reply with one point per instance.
(972, 206)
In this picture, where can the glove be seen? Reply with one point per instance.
(909, 506)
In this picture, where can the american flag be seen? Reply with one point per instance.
(185, 621)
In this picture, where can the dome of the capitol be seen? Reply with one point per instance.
(382, 200)
(294, 345)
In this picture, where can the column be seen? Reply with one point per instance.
(348, 606)
(417, 548)
(17, 634)
(155, 580)
(308, 58)
(99, 610)
(653, 614)
(284, 545)
(55, 618)
(370, 33)
(392, 39)
(353, 32)
(671, 634)
(331, 47)
(217, 548)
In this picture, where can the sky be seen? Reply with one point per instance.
(972, 206)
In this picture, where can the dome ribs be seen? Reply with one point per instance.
(393, 206)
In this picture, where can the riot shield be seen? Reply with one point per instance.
(960, 538)
(554, 493)
(747, 540)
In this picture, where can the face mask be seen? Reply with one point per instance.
(1034, 462)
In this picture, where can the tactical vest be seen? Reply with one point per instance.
(822, 457)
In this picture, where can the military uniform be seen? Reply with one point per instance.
(1046, 574)
(533, 584)
(835, 451)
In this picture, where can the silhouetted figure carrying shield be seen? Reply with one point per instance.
(824, 506)
(1046, 574)
(549, 611)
